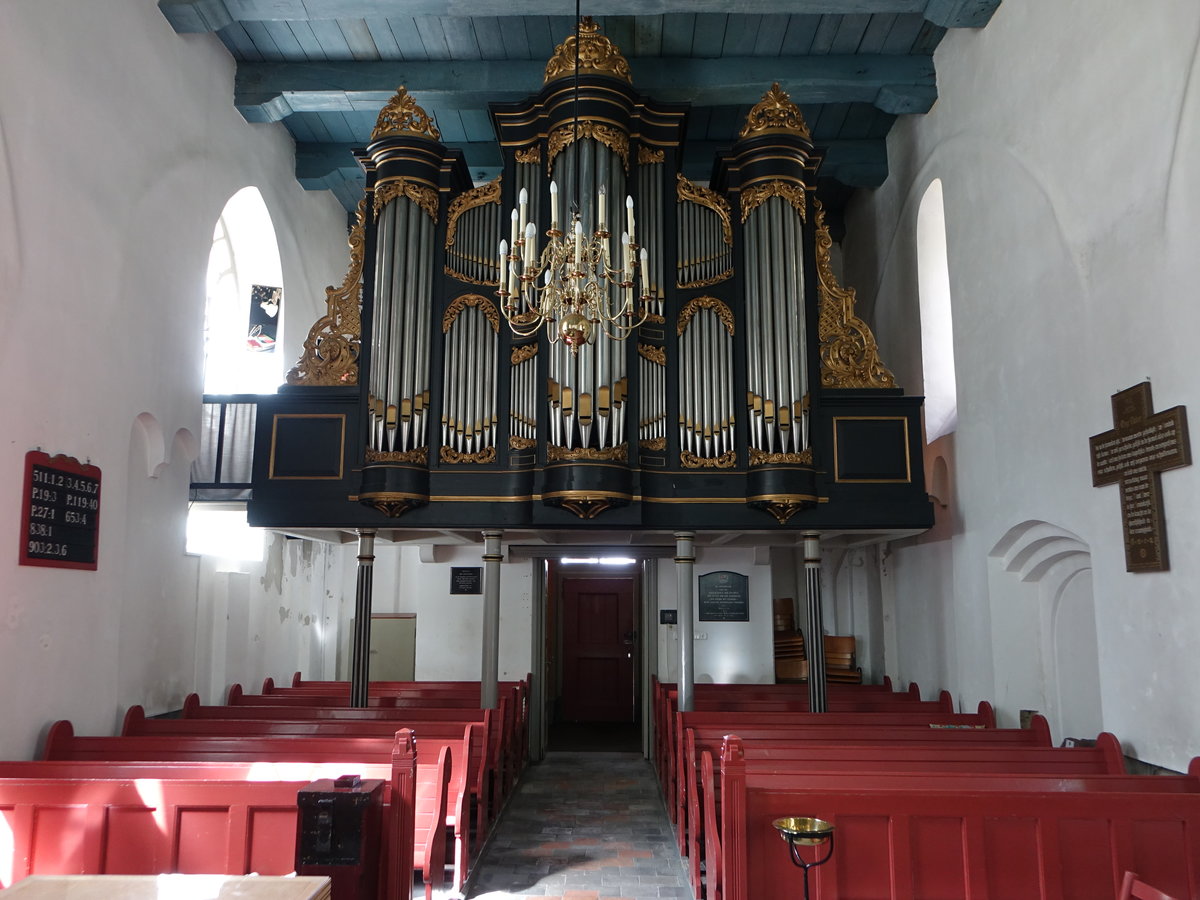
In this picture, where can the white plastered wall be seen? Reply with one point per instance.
(119, 147)
(1067, 139)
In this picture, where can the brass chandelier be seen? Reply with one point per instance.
(571, 286)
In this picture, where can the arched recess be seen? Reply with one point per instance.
(937, 326)
(148, 434)
(244, 306)
(10, 234)
(1044, 647)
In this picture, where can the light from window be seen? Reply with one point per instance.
(937, 327)
(244, 254)
(222, 532)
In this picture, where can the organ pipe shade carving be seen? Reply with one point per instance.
(849, 354)
(776, 343)
(331, 349)
(775, 113)
(471, 225)
(704, 236)
(399, 400)
(706, 400)
(470, 418)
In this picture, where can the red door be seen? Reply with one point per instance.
(599, 649)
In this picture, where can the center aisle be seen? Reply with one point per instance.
(583, 826)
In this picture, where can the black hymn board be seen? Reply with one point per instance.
(60, 515)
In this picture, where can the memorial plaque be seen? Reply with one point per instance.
(724, 597)
(1141, 445)
(60, 512)
(466, 580)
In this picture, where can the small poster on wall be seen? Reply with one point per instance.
(60, 512)
(724, 597)
(264, 318)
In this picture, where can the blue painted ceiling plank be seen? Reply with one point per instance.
(678, 30)
(487, 35)
(404, 30)
(903, 35)
(771, 32)
(385, 41)
(849, 34)
(263, 42)
(309, 45)
(542, 38)
(875, 37)
(433, 36)
(826, 32)
(648, 36)
(741, 34)
(332, 41)
(239, 44)
(460, 38)
(709, 36)
(801, 30)
(512, 34)
(358, 39)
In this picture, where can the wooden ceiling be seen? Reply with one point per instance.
(326, 67)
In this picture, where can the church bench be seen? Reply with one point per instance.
(946, 753)
(510, 739)
(735, 716)
(150, 826)
(914, 781)
(349, 753)
(906, 843)
(468, 785)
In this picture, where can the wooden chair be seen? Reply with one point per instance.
(1133, 888)
(791, 665)
(839, 659)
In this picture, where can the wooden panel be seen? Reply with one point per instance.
(935, 842)
(58, 846)
(266, 852)
(208, 833)
(1014, 840)
(385, 41)
(140, 850)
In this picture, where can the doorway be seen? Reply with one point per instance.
(594, 644)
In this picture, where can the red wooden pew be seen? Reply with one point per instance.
(907, 842)
(944, 752)
(100, 826)
(403, 846)
(510, 737)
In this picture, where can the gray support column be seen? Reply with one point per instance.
(360, 658)
(685, 561)
(814, 642)
(490, 676)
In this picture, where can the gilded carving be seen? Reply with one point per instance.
(483, 304)
(597, 55)
(763, 458)
(685, 190)
(450, 455)
(849, 354)
(446, 270)
(555, 453)
(648, 156)
(775, 113)
(754, 196)
(331, 349)
(657, 445)
(402, 117)
(724, 313)
(424, 197)
(708, 282)
(418, 455)
(393, 509)
(531, 155)
(655, 318)
(479, 196)
(612, 137)
(652, 353)
(587, 508)
(726, 460)
(522, 352)
(783, 510)
(515, 442)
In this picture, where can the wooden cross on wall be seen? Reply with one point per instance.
(1141, 445)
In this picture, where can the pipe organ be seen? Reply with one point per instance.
(444, 388)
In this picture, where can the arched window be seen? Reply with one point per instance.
(937, 327)
(244, 310)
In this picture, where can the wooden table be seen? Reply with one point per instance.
(168, 887)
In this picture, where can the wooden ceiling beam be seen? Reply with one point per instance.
(192, 16)
(269, 92)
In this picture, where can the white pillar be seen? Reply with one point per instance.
(685, 561)
(490, 675)
(814, 640)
